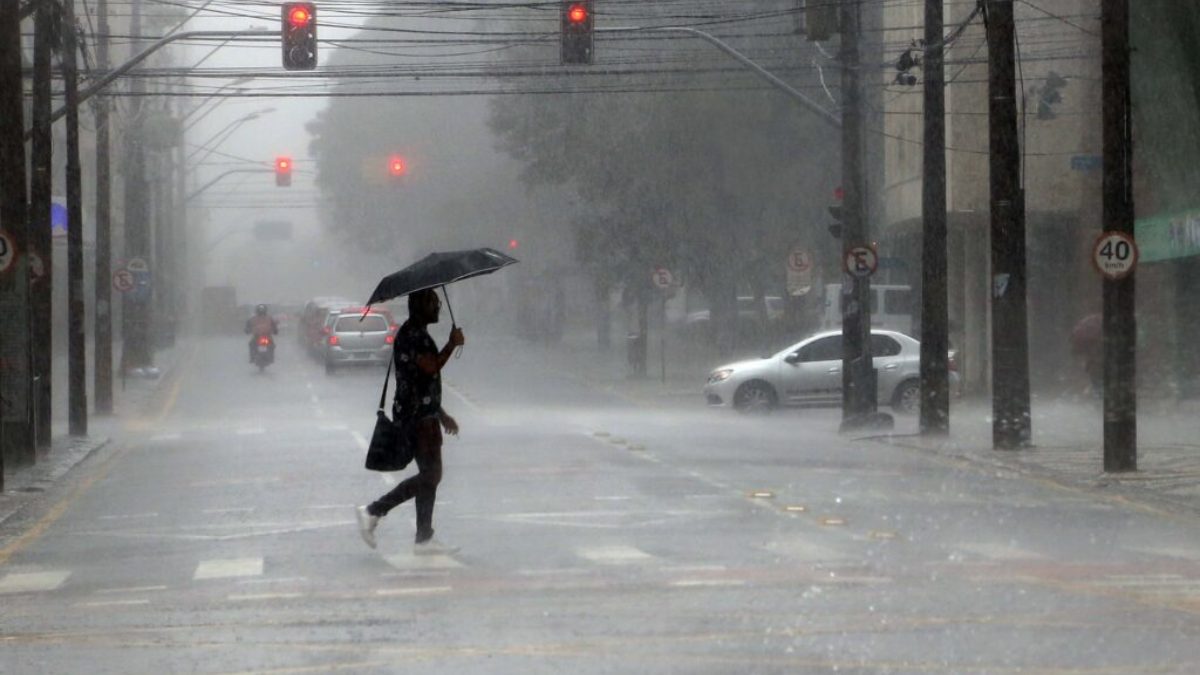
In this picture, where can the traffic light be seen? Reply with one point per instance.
(283, 171)
(577, 32)
(397, 166)
(835, 210)
(513, 244)
(299, 35)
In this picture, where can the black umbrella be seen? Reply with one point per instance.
(439, 269)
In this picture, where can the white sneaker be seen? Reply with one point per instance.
(366, 524)
(433, 547)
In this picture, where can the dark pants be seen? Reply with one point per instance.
(422, 486)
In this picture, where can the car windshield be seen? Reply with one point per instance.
(356, 323)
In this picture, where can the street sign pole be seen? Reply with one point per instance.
(1120, 319)
(858, 372)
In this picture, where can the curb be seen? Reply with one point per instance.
(1112, 487)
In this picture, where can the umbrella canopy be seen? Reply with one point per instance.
(439, 269)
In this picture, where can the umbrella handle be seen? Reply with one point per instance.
(453, 324)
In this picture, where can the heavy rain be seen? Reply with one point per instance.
(685, 336)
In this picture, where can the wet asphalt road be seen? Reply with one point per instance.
(597, 534)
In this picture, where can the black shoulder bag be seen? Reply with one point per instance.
(393, 443)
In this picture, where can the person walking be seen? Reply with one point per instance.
(418, 402)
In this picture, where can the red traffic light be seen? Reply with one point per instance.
(299, 16)
(396, 165)
(513, 244)
(577, 13)
(283, 171)
(838, 193)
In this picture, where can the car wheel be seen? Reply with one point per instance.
(907, 399)
(755, 398)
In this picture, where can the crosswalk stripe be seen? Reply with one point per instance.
(25, 582)
(618, 554)
(228, 568)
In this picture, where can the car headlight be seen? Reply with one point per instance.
(720, 375)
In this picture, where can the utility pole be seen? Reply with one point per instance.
(1011, 421)
(858, 372)
(103, 386)
(16, 440)
(76, 354)
(136, 308)
(935, 369)
(41, 188)
(1120, 320)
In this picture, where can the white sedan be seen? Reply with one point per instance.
(809, 373)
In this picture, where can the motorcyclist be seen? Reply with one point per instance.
(259, 325)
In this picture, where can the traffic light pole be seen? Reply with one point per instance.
(1120, 320)
(858, 371)
(16, 440)
(41, 189)
(1011, 421)
(798, 96)
(133, 62)
(935, 370)
(102, 352)
(76, 350)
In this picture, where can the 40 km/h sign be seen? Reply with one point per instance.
(1115, 255)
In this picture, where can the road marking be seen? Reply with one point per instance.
(274, 580)
(236, 597)
(165, 437)
(360, 440)
(425, 562)
(228, 568)
(613, 498)
(26, 582)
(999, 551)
(693, 583)
(113, 603)
(250, 431)
(234, 509)
(614, 555)
(129, 516)
(132, 589)
(417, 590)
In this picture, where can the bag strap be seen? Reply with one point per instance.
(386, 376)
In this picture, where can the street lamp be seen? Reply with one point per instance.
(224, 133)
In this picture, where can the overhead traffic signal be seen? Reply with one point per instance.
(397, 167)
(576, 31)
(299, 35)
(283, 171)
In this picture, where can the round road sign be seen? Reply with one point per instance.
(662, 278)
(860, 261)
(123, 280)
(799, 260)
(1115, 255)
(8, 252)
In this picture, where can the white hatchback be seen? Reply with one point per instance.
(809, 373)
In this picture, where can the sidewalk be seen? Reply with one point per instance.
(1068, 441)
(23, 484)
(1068, 449)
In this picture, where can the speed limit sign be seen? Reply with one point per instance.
(1115, 255)
(8, 252)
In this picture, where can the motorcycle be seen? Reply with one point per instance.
(264, 352)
